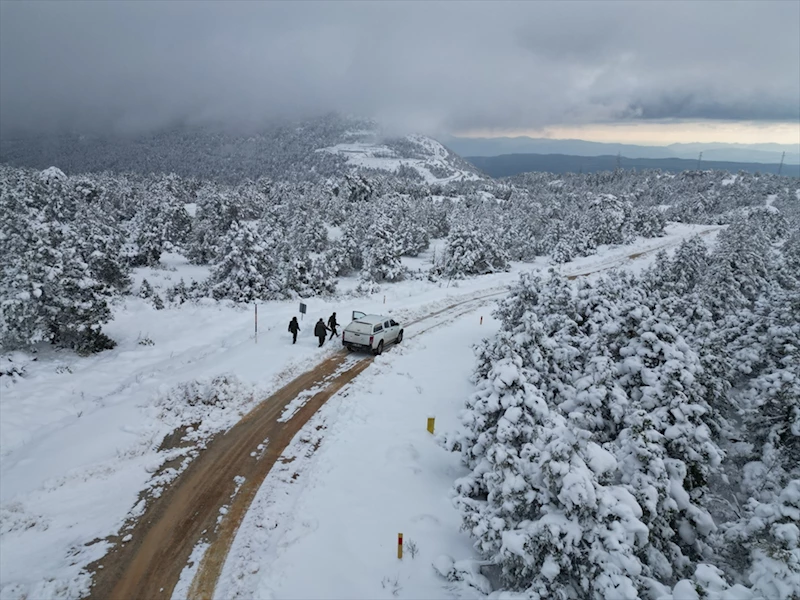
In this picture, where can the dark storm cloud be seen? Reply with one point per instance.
(129, 66)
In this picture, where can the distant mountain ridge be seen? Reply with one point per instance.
(509, 165)
(747, 153)
(327, 146)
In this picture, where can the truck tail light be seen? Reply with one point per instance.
(372, 337)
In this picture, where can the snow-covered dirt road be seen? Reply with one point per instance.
(223, 480)
(83, 441)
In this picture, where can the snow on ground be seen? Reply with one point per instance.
(172, 268)
(80, 436)
(377, 472)
(364, 469)
(334, 233)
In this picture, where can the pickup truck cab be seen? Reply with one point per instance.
(371, 332)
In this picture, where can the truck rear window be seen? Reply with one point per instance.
(359, 327)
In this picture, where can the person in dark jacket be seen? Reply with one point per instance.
(294, 327)
(332, 324)
(320, 331)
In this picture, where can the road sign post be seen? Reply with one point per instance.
(303, 308)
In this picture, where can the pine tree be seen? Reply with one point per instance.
(245, 271)
(382, 253)
(48, 290)
(471, 252)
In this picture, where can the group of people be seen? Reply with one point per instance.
(320, 329)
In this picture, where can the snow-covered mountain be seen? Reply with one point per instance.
(411, 155)
(318, 148)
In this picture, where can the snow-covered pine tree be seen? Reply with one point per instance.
(738, 271)
(472, 252)
(100, 241)
(48, 290)
(245, 271)
(145, 242)
(605, 221)
(75, 305)
(534, 499)
(382, 253)
(669, 424)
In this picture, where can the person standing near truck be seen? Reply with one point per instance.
(320, 331)
(332, 324)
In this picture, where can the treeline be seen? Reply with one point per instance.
(68, 244)
(639, 437)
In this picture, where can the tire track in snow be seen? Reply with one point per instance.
(621, 260)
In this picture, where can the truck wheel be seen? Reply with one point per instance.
(379, 349)
(399, 337)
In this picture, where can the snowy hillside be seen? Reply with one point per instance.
(432, 161)
(282, 152)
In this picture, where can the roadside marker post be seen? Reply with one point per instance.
(430, 424)
(400, 546)
(256, 319)
(481, 319)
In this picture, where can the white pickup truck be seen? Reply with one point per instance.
(371, 332)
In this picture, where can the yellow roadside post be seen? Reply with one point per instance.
(430, 424)
(400, 546)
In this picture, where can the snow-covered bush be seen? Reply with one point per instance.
(208, 405)
(13, 365)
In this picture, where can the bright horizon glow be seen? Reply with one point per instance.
(660, 133)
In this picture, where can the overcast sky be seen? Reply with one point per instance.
(455, 67)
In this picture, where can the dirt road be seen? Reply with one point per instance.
(188, 512)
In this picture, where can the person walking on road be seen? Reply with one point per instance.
(320, 331)
(294, 327)
(332, 324)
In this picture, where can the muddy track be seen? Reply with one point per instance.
(188, 512)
